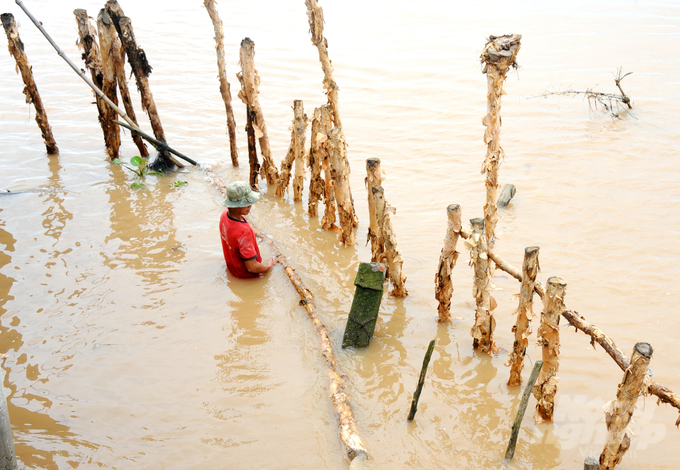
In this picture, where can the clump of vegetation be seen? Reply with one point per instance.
(178, 184)
(140, 170)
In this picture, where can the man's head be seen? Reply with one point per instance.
(239, 194)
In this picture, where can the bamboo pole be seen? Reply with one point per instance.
(485, 324)
(295, 154)
(498, 56)
(549, 336)
(421, 381)
(340, 172)
(317, 153)
(16, 49)
(392, 256)
(517, 424)
(8, 457)
(113, 59)
(619, 412)
(250, 82)
(348, 427)
(252, 148)
(225, 89)
(93, 61)
(443, 287)
(374, 178)
(525, 314)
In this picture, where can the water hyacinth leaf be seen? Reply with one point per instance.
(136, 161)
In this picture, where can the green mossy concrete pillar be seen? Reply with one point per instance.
(364, 312)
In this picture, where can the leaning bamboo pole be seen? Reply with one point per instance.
(16, 49)
(317, 151)
(225, 90)
(295, 155)
(374, 178)
(443, 286)
(498, 56)
(113, 61)
(522, 330)
(250, 82)
(392, 256)
(93, 61)
(340, 171)
(348, 427)
(485, 324)
(619, 412)
(549, 337)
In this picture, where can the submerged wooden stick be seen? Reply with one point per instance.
(498, 56)
(16, 49)
(619, 412)
(225, 89)
(421, 381)
(392, 256)
(374, 178)
(525, 314)
(93, 61)
(517, 424)
(443, 286)
(485, 324)
(549, 335)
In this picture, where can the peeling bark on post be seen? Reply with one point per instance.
(374, 178)
(113, 56)
(443, 287)
(340, 172)
(525, 314)
(485, 324)
(295, 154)
(549, 337)
(498, 56)
(225, 90)
(317, 153)
(250, 82)
(619, 412)
(16, 49)
(252, 148)
(88, 45)
(392, 256)
(322, 155)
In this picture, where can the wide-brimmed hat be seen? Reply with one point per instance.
(239, 194)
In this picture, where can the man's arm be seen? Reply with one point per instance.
(255, 267)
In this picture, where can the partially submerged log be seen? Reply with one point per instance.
(392, 256)
(498, 56)
(374, 178)
(16, 49)
(340, 172)
(619, 412)
(525, 314)
(93, 61)
(250, 82)
(363, 315)
(296, 152)
(443, 286)
(113, 58)
(317, 154)
(549, 337)
(225, 90)
(485, 324)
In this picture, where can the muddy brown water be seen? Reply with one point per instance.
(126, 345)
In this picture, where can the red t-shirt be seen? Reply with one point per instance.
(238, 244)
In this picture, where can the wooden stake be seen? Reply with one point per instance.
(374, 178)
(250, 82)
(225, 90)
(88, 45)
(485, 324)
(443, 287)
(421, 381)
(340, 171)
(517, 424)
(525, 314)
(16, 49)
(549, 336)
(113, 58)
(318, 152)
(295, 154)
(325, 127)
(498, 56)
(392, 256)
(619, 412)
(252, 149)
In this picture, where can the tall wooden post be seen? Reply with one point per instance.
(250, 82)
(443, 287)
(619, 412)
(225, 90)
(498, 56)
(325, 126)
(392, 256)
(340, 170)
(374, 178)
(525, 314)
(88, 45)
(16, 49)
(485, 324)
(295, 155)
(549, 336)
(252, 148)
(113, 57)
(318, 151)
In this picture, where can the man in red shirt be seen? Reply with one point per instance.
(238, 240)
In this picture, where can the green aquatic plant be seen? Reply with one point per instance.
(140, 170)
(178, 184)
